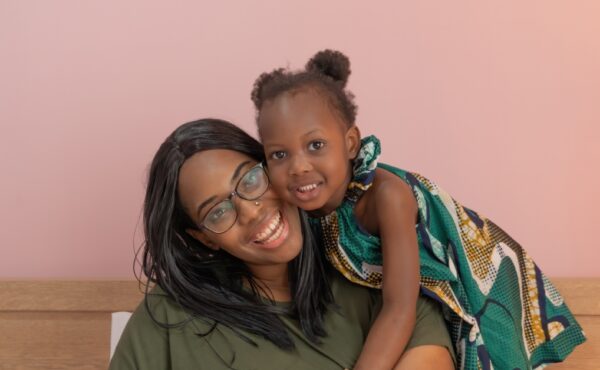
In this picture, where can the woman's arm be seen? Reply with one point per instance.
(395, 211)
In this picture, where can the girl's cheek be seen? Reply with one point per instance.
(276, 174)
(279, 185)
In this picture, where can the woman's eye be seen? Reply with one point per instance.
(250, 181)
(316, 145)
(217, 214)
(278, 154)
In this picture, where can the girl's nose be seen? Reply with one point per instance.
(299, 164)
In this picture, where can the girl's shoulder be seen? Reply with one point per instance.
(387, 189)
(389, 183)
(393, 171)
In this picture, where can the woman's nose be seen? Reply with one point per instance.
(248, 210)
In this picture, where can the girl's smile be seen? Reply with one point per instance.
(308, 192)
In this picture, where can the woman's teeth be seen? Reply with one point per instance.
(272, 231)
(305, 188)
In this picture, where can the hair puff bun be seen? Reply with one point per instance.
(331, 63)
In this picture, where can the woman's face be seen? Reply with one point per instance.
(263, 235)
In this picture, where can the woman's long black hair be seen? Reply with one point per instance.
(205, 283)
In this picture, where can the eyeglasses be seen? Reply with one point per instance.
(223, 215)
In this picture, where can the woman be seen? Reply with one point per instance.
(240, 282)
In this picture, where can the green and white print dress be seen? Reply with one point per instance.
(503, 312)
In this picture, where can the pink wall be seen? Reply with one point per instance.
(499, 103)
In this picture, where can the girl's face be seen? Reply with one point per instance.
(263, 234)
(309, 150)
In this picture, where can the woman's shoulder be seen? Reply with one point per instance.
(147, 338)
(143, 341)
(156, 312)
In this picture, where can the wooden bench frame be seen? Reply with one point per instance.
(55, 324)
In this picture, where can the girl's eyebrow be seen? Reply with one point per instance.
(316, 130)
(234, 177)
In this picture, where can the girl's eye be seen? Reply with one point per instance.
(316, 145)
(278, 155)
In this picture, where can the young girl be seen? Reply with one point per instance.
(388, 228)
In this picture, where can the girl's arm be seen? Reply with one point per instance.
(395, 211)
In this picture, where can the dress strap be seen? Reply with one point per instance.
(363, 170)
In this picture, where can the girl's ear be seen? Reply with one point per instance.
(353, 141)
(202, 238)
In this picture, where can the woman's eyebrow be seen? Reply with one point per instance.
(236, 173)
(204, 204)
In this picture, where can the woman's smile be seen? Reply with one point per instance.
(272, 232)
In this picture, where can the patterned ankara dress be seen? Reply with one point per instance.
(502, 311)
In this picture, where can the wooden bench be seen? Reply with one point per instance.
(66, 324)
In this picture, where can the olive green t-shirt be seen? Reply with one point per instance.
(145, 345)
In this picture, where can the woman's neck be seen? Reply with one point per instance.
(274, 278)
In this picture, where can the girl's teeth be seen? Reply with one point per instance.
(307, 188)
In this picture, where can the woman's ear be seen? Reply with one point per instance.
(202, 238)
(353, 141)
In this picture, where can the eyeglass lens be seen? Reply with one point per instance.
(251, 186)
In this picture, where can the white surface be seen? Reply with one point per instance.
(118, 322)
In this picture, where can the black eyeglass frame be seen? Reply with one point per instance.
(235, 192)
